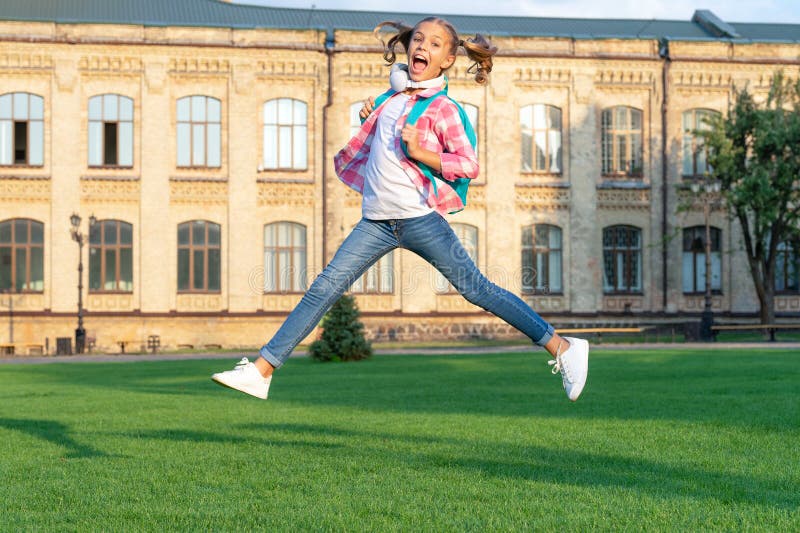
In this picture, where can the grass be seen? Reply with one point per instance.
(668, 439)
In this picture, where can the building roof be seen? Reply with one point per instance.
(216, 13)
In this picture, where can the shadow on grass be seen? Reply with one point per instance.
(53, 432)
(553, 466)
(198, 437)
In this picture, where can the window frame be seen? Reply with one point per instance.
(611, 286)
(698, 256)
(102, 248)
(547, 130)
(295, 127)
(531, 247)
(105, 121)
(611, 132)
(696, 143)
(274, 271)
(28, 246)
(787, 262)
(192, 123)
(10, 118)
(206, 248)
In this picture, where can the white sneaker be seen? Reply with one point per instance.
(246, 378)
(574, 366)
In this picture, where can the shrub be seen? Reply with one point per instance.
(342, 337)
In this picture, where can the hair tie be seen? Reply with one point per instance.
(461, 42)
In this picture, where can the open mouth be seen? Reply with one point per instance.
(419, 63)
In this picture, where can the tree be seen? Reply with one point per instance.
(342, 337)
(754, 153)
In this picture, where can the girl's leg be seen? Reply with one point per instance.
(368, 242)
(432, 238)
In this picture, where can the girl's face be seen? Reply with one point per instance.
(429, 52)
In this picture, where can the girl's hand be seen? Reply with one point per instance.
(410, 136)
(368, 107)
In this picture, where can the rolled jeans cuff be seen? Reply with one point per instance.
(269, 358)
(547, 336)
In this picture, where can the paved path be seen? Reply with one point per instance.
(102, 358)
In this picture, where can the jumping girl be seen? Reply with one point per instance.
(410, 176)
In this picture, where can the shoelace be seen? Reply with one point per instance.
(559, 366)
(241, 365)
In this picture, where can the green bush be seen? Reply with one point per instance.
(342, 337)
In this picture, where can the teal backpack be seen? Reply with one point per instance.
(460, 185)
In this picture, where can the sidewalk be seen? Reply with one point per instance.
(121, 358)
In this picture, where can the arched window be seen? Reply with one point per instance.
(199, 256)
(540, 131)
(468, 235)
(284, 257)
(622, 142)
(355, 119)
(541, 259)
(695, 153)
(199, 121)
(472, 115)
(787, 267)
(110, 256)
(285, 134)
(622, 259)
(110, 130)
(694, 259)
(21, 129)
(21, 255)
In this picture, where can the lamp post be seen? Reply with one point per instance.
(77, 236)
(707, 191)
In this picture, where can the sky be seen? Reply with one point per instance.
(786, 11)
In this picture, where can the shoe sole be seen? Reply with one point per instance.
(252, 391)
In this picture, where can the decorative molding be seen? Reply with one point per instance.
(376, 302)
(199, 302)
(287, 68)
(369, 69)
(547, 303)
(26, 61)
(636, 199)
(118, 64)
(286, 194)
(623, 304)
(65, 74)
(110, 190)
(787, 303)
(543, 76)
(538, 197)
(476, 197)
(280, 302)
(22, 301)
(198, 65)
(198, 191)
(446, 303)
(155, 76)
(25, 190)
(701, 79)
(110, 302)
(698, 302)
(625, 80)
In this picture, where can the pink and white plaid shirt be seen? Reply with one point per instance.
(441, 131)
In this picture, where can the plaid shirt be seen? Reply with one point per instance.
(441, 132)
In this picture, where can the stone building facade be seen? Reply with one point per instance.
(229, 133)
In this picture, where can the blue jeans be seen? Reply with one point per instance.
(430, 237)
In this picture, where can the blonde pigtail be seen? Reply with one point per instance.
(480, 51)
(403, 37)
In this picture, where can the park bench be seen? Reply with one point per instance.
(598, 331)
(769, 328)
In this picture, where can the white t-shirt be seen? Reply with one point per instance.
(389, 192)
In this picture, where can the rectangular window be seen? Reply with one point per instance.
(20, 143)
(110, 132)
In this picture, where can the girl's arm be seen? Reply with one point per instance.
(410, 135)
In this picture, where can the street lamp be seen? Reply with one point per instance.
(77, 236)
(707, 192)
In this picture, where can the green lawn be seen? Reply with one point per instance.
(666, 439)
